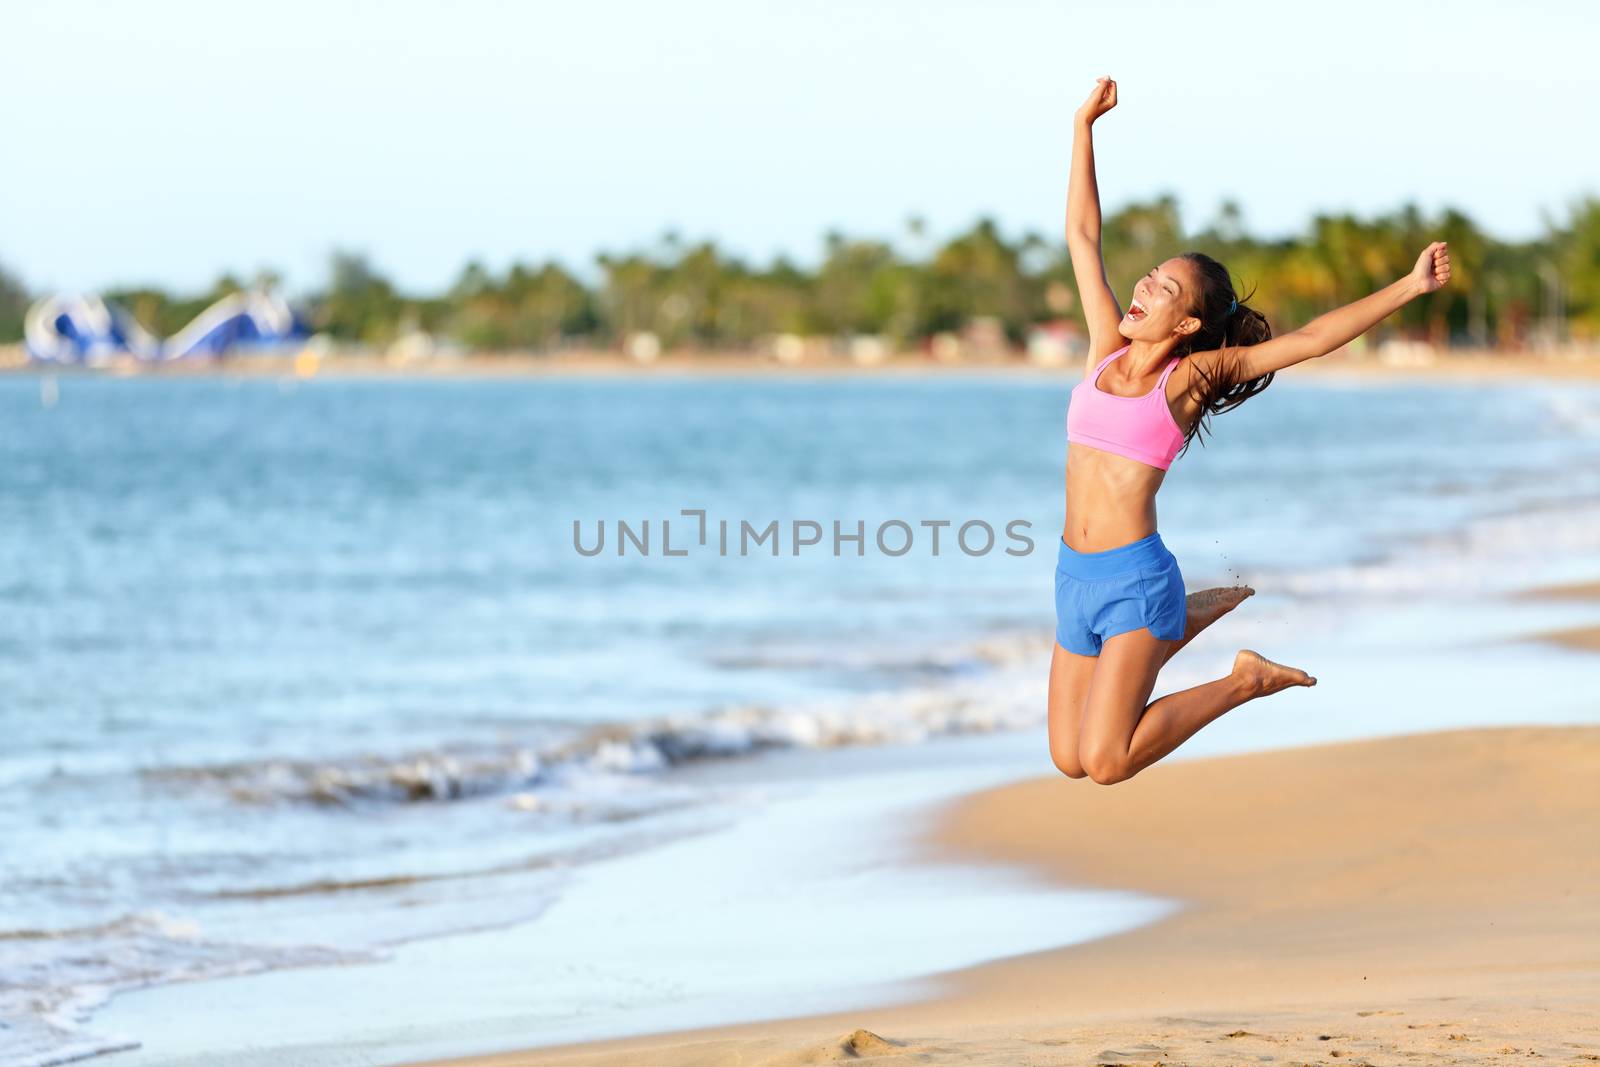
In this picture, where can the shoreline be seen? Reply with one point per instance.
(1320, 924)
(1578, 638)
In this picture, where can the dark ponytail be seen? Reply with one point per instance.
(1227, 323)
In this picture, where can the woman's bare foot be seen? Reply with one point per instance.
(1264, 677)
(1207, 606)
(1204, 608)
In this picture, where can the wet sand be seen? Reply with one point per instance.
(1581, 638)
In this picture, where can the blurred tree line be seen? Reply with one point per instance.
(697, 296)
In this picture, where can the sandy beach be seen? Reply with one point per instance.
(1424, 898)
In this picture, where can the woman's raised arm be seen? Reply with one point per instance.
(1339, 327)
(1100, 309)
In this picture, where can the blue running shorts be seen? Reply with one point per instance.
(1101, 594)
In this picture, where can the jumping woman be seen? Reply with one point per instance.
(1187, 348)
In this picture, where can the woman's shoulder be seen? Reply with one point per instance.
(1211, 365)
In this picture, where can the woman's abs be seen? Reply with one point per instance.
(1111, 500)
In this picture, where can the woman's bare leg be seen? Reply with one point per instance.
(1121, 734)
(1071, 673)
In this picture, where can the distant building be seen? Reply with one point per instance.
(984, 338)
(643, 347)
(788, 348)
(1054, 343)
(945, 347)
(1403, 352)
(868, 348)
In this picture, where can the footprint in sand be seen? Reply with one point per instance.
(867, 1043)
(1109, 1057)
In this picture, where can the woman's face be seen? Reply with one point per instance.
(1161, 303)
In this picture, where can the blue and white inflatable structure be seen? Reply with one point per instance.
(87, 329)
(84, 329)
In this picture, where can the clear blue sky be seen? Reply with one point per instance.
(166, 141)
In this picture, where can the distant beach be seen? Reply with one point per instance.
(1579, 364)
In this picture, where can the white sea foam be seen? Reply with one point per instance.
(1578, 411)
(57, 978)
(1493, 554)
(640, 747)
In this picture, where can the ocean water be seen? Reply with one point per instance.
(292, 673)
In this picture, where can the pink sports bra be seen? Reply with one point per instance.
(1138, 427)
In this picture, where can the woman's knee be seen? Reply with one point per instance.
(1067, 763)
(1105, 765)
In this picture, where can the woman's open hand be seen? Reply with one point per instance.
(1432, 269)
(1101, 100)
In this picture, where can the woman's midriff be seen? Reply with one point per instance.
(1111, 500)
